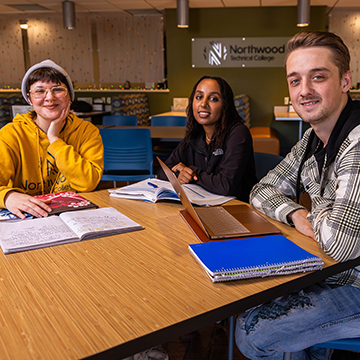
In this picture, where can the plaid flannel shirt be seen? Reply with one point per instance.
(335, 198)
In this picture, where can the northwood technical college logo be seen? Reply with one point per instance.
(238, 52)
(215, 53)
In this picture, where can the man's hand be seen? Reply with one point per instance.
(17, 203)
(302, 224)
(185, 174)
(57, 124)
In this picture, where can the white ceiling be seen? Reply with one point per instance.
(159, 5)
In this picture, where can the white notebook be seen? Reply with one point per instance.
(68, 227)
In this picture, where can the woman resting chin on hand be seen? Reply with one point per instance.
(49, 149)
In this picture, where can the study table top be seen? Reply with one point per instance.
(111, 297)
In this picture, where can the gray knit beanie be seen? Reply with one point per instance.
(46, 64)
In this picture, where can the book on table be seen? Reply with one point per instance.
(153, 190)
(253, 257)
(67, 201)
(65, 228)
(60, 202)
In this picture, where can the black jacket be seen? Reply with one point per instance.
(226, 171)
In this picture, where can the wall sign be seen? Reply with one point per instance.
(238, 52)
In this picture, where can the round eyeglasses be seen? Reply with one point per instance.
(58, 91)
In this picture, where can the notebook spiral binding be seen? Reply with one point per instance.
(304, 263)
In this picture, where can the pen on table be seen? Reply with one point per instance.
(153, 185)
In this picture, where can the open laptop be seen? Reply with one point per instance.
(220, 222)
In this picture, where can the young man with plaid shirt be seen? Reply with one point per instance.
(325, 163)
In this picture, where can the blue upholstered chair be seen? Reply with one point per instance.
(168, 120)
(120, 120)
(163, 148)
(265, 162)
(127, 154)
(341, 344)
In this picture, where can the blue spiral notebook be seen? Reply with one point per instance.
(253, 257)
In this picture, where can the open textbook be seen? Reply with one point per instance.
(67, 227)
(153, 190)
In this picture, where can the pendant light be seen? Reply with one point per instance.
(303, 13)
(69, 15)
(183, 13)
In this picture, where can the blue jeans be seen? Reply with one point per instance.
(297, 321)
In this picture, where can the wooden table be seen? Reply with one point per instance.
(111, 297)
(171, 113)
(175, 133)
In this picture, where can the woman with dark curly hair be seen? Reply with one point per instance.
(216, 152)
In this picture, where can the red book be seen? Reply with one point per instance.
(67, 201)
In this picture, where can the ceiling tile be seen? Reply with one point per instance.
(205, 4)
(163, 4)
(99, 6)
(237, 3)
(128, 5)
(8, 10)
(5, 2)
(279, 2)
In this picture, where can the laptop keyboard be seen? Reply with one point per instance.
(219, 221)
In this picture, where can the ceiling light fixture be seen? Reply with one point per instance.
(303, 13)
(183, 13)
(23, 24)
(69, 15)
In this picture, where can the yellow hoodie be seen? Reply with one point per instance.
(29, 164)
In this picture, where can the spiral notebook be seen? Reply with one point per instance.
(253, 257)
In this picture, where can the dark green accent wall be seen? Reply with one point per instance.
(266, 87)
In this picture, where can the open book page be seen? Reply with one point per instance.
(147, 190)
(200, 196)
(156, 189)
(68, 227)
(35, 233)
(98, 222)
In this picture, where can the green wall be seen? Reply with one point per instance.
(266, 87)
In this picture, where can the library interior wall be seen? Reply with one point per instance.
(266, 87)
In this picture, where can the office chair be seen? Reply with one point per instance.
(265, 162)
(168, 120)
(341, 344)
(127, 155)
(162, 148)
(120, 120)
